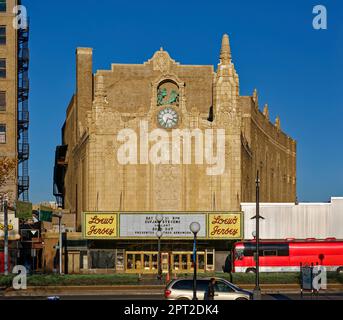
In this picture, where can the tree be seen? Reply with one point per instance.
(7, 170)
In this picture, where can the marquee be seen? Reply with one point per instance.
(175, 225)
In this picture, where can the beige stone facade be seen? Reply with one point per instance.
(8, 87)
(203, 98)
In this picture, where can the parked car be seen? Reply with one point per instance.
(182, 289)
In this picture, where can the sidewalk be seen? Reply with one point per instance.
(142, 290)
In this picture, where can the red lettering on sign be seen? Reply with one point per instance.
(96, 220)
(220, 220)
(93, 230)
(224, 226)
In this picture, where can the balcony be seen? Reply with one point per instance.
(23, 183)
(23, 151)
(23, 117)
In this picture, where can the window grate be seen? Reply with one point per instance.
(2, 100)
(2, 133)
(2, 68)
(3, 6)
(2, 35)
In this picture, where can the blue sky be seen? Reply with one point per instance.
(296, 69)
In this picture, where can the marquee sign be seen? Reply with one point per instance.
(225, 226)
(100, 225)
(175, 225)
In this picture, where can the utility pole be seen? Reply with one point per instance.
(5, 237)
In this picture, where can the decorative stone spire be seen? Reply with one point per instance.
(225, 52)
(278, 123)
(226, 109)
(266, 111)
(255, 98)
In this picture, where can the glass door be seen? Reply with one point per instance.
(209, 260)
(201, 261)
(182, 262)
(145, 262)
(165, 262)
(134, 262)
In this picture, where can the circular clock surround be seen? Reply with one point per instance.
(168, 118)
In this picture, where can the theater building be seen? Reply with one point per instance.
(162, 137)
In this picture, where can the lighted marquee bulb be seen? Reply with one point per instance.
(159, 234)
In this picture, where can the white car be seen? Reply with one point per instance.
(182, 289)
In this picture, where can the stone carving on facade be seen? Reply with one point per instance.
(102, 118)
(162, 61)
(168, 90)
(167, 185)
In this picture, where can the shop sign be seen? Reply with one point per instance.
(225, 225)
(100, 225)
(13, 227)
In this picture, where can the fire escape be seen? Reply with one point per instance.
(23, 114)
(60, 169)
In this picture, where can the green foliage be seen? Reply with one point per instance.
(132, 279)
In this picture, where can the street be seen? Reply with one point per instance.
(156, 296)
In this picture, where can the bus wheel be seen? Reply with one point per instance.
(339, 270)
(250, 270)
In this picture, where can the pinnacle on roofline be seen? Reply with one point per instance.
(225, 51)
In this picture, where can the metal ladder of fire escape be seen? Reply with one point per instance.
(23, 114)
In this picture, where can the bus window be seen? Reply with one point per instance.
(269, 253)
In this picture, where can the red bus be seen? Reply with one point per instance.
(2, 262)
(287, 255)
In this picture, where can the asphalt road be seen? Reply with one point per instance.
(121, 296)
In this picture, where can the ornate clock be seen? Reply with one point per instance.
(168, 118)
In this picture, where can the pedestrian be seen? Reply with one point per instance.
(227, 268)
(211, 289)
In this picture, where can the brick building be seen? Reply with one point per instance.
(14, 89)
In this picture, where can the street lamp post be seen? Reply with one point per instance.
(257, 289)
(59, 216)
(5, 204)
(195, 228)
(159, 233)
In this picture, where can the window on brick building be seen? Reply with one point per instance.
(2, 68)
(2, 35)
(3, 5)
(2, 133)
(2, 100)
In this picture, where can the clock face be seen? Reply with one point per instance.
(168, 118)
